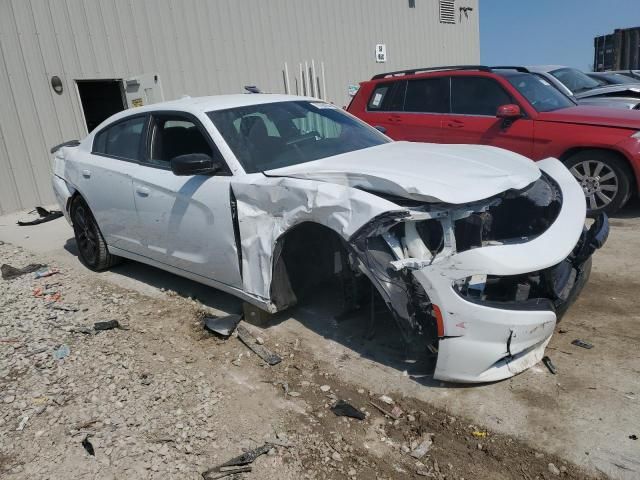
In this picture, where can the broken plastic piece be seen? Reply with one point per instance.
(549, 364)
(46, 272)
(212, 474)
(633, 437)
(62, 352)
(8, 272)
(423, 448)
(389, 414)
(581, 343)
(479, 434)
(45, 216)
(88, 446)
(222, 325)
(108, 325)
(247, 457)
(344, 409)
(263, 352)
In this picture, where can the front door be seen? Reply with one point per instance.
(474, 103)
(185, 221)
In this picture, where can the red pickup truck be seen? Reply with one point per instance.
(509, 107)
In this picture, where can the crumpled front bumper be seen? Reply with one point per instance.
(485, 342)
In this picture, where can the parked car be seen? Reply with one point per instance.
(612, 78)
(513, 109)
(629, 73)
(477, 251)
(588, 91)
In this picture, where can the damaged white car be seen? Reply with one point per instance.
(475, 250)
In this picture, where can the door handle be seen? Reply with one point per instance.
(380, 128)
(455, 124)
(86, 173)
(395, 118)
(142, 191)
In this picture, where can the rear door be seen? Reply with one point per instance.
(384, 108)
(103, 177)
(474, 103)
(426, 102)
(186, 221)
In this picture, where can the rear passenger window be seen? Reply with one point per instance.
(122, 140)
(429, 95)
(388, 97)
(477, 96)
(174, 136)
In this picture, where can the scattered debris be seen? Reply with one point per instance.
(46, 272)
(549, 364)
(88, 446)
(385, 412)
(396, 412)
(222, 325)
(62, 352)
(553, 469)
(108, 325)
(423, 448)
(213, 475)
(479, 434)
(237, 464)
(45, 216)
(260, 350)
(60, 306)
(9, 272)
(344, 409)
(325, 388)
(386, 399)
(581, 343)
(260, 340)
(633, 437)
(23, 423)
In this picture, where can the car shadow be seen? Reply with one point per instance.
(379, 341)
(630, 210)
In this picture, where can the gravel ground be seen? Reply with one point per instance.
(165, 399)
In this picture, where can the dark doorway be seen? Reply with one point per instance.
(100, 99)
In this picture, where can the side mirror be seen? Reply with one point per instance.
(510, 111)
(194, 164)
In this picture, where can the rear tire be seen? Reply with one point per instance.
(604, 177)
(92, 249)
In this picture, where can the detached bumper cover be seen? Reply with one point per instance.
(489, 341)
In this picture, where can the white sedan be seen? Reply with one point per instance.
(476, 251)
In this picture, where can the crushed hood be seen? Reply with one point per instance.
(421, 171)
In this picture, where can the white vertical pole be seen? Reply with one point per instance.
(287, 87)
(308, 91)
(324, 83)
(302, 89)
(315, 84)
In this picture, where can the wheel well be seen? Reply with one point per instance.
(572, 151)
(308, 257)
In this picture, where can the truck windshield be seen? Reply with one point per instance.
(541, 94)
(274, 135)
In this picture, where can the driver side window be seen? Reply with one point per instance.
(174, 135)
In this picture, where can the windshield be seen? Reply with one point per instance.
(575, 80)
(618, 78)
(274, 135)
(541, 94)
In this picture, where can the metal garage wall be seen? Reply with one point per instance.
(198, 47)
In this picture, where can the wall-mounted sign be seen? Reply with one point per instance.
(381, 53)
(352, 90)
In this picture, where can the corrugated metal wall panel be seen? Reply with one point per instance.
(197, 47)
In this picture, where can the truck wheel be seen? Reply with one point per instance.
(92, 248)
(604, 177)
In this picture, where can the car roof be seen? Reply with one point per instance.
(218, 102)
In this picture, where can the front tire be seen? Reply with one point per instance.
(604, 177)
(92, 249)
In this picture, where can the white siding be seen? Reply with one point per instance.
(197, 47)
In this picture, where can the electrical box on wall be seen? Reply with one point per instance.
(381, 53)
